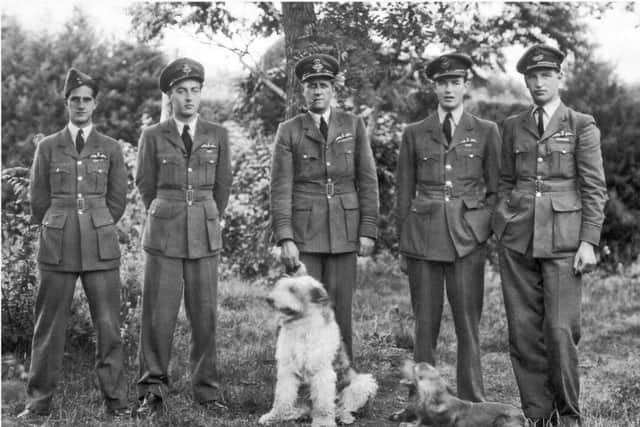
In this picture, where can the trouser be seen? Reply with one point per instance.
(337, 272)
(53, 306)
(464, 280)
(542, 301)
(165, 280)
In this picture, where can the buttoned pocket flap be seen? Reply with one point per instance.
(169, 160)
(422, 206)
(350, 201)
(101, 217)
(472, 203)
(61, 168)
(566, 203)
(561, 146)
(520, 148)
(162, 211)
(55, 220)
(211, 210)
(428, 155)
(471, 152)
(308, 156)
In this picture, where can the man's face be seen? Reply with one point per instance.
(451, 91)
(80, 105)
(543, 84)
(318, 94)
(185, 99)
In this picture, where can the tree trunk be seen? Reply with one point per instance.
(301, 38)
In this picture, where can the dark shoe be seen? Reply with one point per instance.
(404, 415)
(119, 413)
(31, 415)
(148, 406)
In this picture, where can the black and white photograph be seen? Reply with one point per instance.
(320, 214)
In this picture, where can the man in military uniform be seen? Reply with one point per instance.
(78, 192)
(447, 181)
(547, 222)
(184, 178)
(324, 189)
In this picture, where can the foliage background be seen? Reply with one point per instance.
(383, 83)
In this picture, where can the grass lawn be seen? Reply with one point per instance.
(609, 358)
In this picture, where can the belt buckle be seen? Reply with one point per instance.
(189, 197)
(538, 187)
(330, 187)
(80, 205)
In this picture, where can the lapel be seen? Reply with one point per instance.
(557, 122)
(170, 131)
(310, 128)
(464, 130)
(434, 130)
(528, 123)
(335, 125)
(66, 144)
(202, 135)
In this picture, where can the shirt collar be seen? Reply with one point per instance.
(316, 117)
(456, 114)
(549, 108)
(192, 126)
(73, 130)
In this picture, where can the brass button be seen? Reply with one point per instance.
(79, 162)
(189, 170)
(447, 167)
(448, 183)
(538, 194)
(540, 159)
(164, 161)
(79, 178)
(328, 163)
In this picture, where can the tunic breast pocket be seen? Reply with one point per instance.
(562, 159)
(345, 156)
(429, 166)
(309, 165)
(61, 178)
(169, 171)
(97, 172)
(208, 165)
(470, 160)
(523, 161)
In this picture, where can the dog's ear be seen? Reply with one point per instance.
(319, 295)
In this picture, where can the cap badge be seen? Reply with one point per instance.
(538, 57)
(78, 80)
(317, 65)
(186, 69)
(444, 63)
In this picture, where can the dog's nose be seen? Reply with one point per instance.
(269, 301)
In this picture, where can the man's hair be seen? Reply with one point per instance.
(94, 92)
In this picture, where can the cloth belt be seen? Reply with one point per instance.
(541, 186)
(189, 196)
(80, 203)
(443, 191)
(329, 188)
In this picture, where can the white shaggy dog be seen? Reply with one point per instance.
(310, 350)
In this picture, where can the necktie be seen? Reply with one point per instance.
(79, 141)
(446, 127)
(324, 129)
(540, 122)
(186, 138)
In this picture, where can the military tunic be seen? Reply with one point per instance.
(446, 195)
(324, 196)
(77, 198)
(552, 196)
(185, 195)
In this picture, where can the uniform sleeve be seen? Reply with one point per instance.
(591, 180)
(146, 169)
(224, 176)
(282, 186)
(507, 161)
(492, 165)
(39, 189)
(405, 180)
(367, 184)
(117, 184)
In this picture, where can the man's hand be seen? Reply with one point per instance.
(366, 246)
(402, 260)
(289, 254)
(585, 259)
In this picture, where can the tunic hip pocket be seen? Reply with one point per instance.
(300, 221)
(350, 205)
(51, 238)
(213, 226)
(567, 220)
(107, 234)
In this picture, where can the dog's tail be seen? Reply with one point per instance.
(361, 390)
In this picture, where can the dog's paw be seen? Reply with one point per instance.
(323, 422)
(346, 418)
(268, 418)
